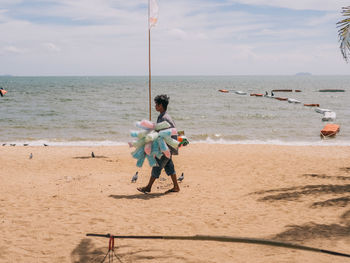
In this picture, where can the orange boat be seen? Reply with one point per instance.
(312, 105)
(223, 90)
(330, 130)
(297, 90)
(279, 98)
(256, 94)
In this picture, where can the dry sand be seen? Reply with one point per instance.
(294, 194)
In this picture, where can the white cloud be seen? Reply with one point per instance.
(106, 37)
(51, 47)
(329, 5)
(12, 49)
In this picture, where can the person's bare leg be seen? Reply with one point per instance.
(148, 187)
(176, 187)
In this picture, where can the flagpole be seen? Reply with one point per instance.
(149, 61)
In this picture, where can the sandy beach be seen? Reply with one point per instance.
(296, 194)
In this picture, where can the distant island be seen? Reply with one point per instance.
(303, 74)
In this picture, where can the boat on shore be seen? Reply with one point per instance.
(240, 92)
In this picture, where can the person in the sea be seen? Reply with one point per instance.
(161, 105)
(272, 94)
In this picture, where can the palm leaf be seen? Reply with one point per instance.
(344, 33)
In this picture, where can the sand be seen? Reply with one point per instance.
(297, 194)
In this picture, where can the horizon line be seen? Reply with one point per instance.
(301, 74)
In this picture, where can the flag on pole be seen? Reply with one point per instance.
(153, 13)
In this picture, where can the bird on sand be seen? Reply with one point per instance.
(181, 177)
(31, 156)
(92, 155)
(134, 178)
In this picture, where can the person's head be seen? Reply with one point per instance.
(161, 102)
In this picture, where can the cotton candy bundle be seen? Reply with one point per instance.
(152, 141)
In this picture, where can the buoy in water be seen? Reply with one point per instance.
(223, 90)
(330, 130)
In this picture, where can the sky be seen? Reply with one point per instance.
(192, 37)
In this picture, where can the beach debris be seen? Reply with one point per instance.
(134, 178)
(25, 144)
(45, 144)
(92, 155)
(181, 177)
(31, 156)
(3, 144)
(153, 141)
(12, 144)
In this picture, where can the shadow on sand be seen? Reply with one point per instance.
(87, 252)
(139, 196)
(89, 157)
(311, 230)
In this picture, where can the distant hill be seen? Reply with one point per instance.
(303, 74)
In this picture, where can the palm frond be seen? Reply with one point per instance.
(344, 33)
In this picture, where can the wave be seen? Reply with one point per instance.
(327, 142)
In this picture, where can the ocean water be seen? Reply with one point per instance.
(103, 110)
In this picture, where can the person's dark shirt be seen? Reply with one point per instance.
(164, 116)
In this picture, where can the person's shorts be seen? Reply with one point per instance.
(165, 163)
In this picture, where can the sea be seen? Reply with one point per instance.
(90, 111)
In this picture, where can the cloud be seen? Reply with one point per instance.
(51, 47)
(12, 49)
(327, 5)
(105, 37)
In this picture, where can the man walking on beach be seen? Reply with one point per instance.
(161, 105)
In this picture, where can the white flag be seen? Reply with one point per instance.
(153, 13)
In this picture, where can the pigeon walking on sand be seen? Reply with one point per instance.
(181, 177)
(134, 178)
